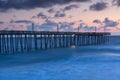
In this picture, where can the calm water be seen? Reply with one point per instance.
(75, 63)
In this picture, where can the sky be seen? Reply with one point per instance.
(68, 15)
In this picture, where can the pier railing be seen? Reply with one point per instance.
(22, 41)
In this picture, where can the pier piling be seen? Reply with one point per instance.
(21, 41)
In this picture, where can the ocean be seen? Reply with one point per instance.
(99, 62)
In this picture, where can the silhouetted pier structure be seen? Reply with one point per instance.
(23, 41)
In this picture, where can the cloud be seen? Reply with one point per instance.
(85, 10)
(81, 25)
(51, 10)
(89, 28)
(116, 2)
(41, 15)
(97, 21)
(21, 21)
(84, 27)
(117, 28)
(98, 6)
(52, 26)
(33, 17)
(59, 14)
(31, 4)
(110, 23)
(1, 22)
(106, 24)
(70, 16)
(47, 26)
(71, 7)
(14, 27)
(66, 24)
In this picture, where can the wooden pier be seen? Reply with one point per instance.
(24, 41)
